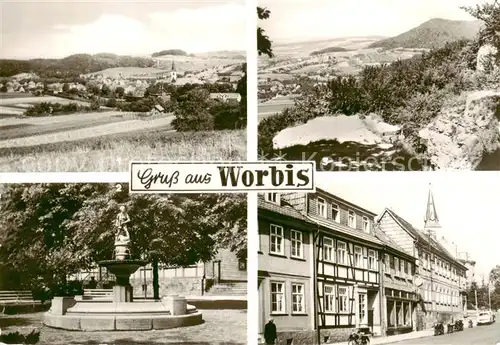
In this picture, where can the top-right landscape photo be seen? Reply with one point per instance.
(380, 85)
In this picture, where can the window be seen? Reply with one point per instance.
(329, 298)
(366, 224)
(298, 298)
(402, 266)
(392, 261)
(387, 262)
(358, 256)
(277, 297)
(406, 267)
(351, 219)
(242, 265)
(371, 260)
(362, 308)
(335, 213)
(296, 239)
(341, 252)
(276, 239)
(343, 299)
(328, 251)
(273, 197)
(396, 264)
(321, 207)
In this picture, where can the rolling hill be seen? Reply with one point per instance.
(71, 66)
(434, 33)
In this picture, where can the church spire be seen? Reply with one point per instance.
(431, 217)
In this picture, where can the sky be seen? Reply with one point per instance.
(303, 20)
(467, 205)
(61, 28)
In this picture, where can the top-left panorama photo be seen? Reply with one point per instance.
(91, 86)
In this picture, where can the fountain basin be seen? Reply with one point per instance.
(171, 312)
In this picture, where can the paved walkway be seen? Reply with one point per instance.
(396, 338)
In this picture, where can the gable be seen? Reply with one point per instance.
(391, 227)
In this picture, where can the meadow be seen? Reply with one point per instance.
(103, 141)
(110, 153)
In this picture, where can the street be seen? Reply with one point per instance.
(481, 335)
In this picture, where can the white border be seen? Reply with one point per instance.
(252, 232)
(65, 177)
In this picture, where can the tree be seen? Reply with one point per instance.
(192, 113)
(65, 228)
(65, 87)
(264, 45)
(495, 274)
(3, 88)
(119, 92)
(489, 13)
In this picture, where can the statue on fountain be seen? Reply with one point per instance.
(122, 237)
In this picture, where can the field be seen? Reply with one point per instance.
(274, 106)
(17, 103)
(104, 141)
(113, 152)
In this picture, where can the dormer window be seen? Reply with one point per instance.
(366, 224)
(351, 220)
(335, 213)
(321, 207)
(273, 197)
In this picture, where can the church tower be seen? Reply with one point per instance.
(431, 220)
(173, 73)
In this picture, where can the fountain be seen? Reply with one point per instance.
(86, 313)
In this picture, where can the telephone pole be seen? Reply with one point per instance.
(489, 294)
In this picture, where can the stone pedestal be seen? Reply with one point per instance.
(123, 293)
(60, 305)
(177, 305)
(121, 250)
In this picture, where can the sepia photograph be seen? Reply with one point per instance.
(411, 259)
(90, 263)
(90, 86)
(380, 85)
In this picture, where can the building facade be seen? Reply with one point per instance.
(439, 275)
(325, 251)
(285, 270)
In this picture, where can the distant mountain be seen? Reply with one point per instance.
(328, 50)
(170, 52)
(434, 33)
(71, 66)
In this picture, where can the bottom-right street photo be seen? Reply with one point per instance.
(381, 258)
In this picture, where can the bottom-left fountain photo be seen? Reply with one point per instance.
(91, 263)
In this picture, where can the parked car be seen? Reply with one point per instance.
(485, 318)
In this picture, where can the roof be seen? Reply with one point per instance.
(421, 237)
(159, 107)
(330, 224)
(389, 242)
(230, 95)
(282, 210)
(322, 191)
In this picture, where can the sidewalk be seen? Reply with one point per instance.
(396, 338)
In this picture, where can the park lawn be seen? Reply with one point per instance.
(228, 327)
(112, 153)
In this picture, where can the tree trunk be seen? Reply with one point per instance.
(156, 285)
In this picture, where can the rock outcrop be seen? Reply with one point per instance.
(486, 57)
(460, 135)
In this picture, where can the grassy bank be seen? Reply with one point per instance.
(113, 152)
